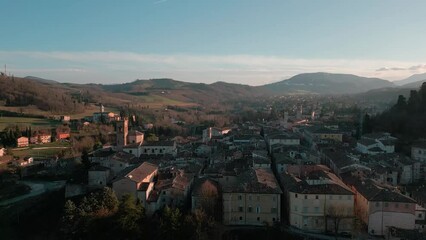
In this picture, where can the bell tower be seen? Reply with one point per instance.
(121, 132)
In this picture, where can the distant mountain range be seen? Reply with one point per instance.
(327, 83)
(412, 80)
(35, 91)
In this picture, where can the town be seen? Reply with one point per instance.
(307, 172)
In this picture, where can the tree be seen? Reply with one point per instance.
(337, 213)
(130, 216)
(171, 223)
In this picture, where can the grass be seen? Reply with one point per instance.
(41, 150)
(21, 121)
(158, 101)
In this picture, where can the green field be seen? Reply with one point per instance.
(23, 122)
(41, 150)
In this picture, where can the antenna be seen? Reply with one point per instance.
(5, 70)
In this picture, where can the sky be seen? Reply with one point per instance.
(239, 41)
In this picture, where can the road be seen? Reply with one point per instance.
(37, 188)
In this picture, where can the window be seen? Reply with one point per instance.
(273, 219)
(257, 209)
(306, 196)
(305, 209)
(349, 197)
(249, 209)
(274, 198)
(240, 209)
(377, 204)
(295, 195)
(130, 151)
(317, 209)
(258, 219)
(240, 197)
(241, 218)
(273, 210)
(420, 215)
(316, 196)
(250, 197)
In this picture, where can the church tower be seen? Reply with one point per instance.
(122, 131)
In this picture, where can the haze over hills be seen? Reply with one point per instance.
(37, 91)
(411, 79)
(328, 83)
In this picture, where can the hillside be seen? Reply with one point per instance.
(416, 84)
(327, 83)
(65, 98)
(412, 79)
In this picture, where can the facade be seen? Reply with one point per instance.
(122, 131)
(135, 137)
(254, 199)
(22, 142)
(212, 132)
(2, 152)
(418, 152)
(159, 148)
(319, 202)
(380, 208)
(41, 138)
(132, 181)
(98, 176)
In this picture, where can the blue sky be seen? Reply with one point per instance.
(245, 41)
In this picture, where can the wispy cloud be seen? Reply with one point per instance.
(411, 68)
(110, 66)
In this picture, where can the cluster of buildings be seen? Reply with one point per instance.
(311, 175)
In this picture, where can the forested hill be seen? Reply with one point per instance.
(406, 119)
(47, 96)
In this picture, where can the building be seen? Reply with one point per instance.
(319, 134)
(122, 130)
(22, 142)
(381, 208)
(159, 148)
(2, 152)
(98, 176)
(318, 201)
(282, 138)
(418, 152)
(376, 143)
(211, 132)
(134, 180)
(253, 199)
(135, 137)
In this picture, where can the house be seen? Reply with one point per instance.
(65, 118)
(98, 176)
(133, 179)
(22, 142)
(135, 137)
(379, 207)
(2, 152)
(159, 148)
(211, 132)
(133, 148)
(418, 152)
(253, 199)
(376, 143)
(318, 201)
(319, 134)
(116, 161)
(40, 137)
(283, 138)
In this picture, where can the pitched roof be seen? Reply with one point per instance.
(141, 172)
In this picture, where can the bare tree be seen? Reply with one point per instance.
(336, 213)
